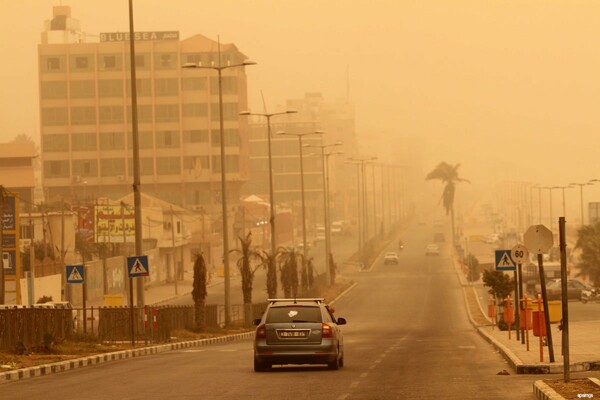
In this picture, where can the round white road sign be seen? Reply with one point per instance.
(538, 239)
(519, 254)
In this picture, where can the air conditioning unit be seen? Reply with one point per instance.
(77, 179)
(23, 243)
(121, 178)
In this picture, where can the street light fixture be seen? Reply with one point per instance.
(581, 185)
(219, 68)
(271, 194)
(300, 136)
(324, 158)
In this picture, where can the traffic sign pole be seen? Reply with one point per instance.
(565, 306)
(539, 239)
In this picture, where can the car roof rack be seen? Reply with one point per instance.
(295, 300)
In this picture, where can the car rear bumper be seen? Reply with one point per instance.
(316, 354)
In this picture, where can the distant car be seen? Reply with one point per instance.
(492, 238)
(432, 250)
(298, 331)
(390, 258)
(319, 238)
(574, 289)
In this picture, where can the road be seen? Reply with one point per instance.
(408, 337)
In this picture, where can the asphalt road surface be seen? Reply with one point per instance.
(408, 337)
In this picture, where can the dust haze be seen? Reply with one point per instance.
(508, 89)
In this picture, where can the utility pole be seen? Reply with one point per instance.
(2, 276)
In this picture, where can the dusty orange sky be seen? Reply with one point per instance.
(509, 89)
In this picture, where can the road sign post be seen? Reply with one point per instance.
(538, 240)
(137, 266)
(519, 254)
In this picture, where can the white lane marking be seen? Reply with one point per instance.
(466, 347)
(354, 384)
(364, 374)
(192, 351)
(377, 361)
(373, 366)
(343, 396)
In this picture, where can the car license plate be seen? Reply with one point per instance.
(293, 334)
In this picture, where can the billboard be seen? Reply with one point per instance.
(114, 224)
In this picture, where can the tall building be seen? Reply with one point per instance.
(313, 112)
(85, 109)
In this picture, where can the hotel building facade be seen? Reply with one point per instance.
(85, 116)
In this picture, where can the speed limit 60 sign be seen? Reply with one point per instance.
(519, 254)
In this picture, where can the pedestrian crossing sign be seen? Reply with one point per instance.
(137, 266)
(75, 273)
(504, 262)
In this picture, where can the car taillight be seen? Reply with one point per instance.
(261, 332)
(327, 331)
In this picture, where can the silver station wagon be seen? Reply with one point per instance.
(298, 331)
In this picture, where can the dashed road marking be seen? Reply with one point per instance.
(343, 396)
(354, 384)
(364, 374)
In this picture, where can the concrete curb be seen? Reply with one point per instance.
(544, 392)
(48, 369)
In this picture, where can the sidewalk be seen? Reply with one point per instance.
(584, 346)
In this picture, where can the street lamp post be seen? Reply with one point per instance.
(219, 68)
(324, 162)
(362, 192)
(271, 194)
(550, 203)
(581, 185)
(300, 136)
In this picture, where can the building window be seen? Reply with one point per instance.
(232, 137)
(111, 114)
(111, 62)
(83, 89)
(55, 142)
(112, 141)
(228, 84)
(56, 169)
(81, 63)
(167, 140)
(196, 163)
(232, 164)
(230, 111)
(85, 167)
(144, 113)
(165, 60)
(54, 116)
(195, 136)
(110, 88)
(143, 87)
(83, 115)
(167, 113)
(195, 83)
(146, 140)
(195, 110)
(53, 64)
(146, 166)
(112, 167)
(166, 87)
(83, 141)
(168, 166)
(54, 90)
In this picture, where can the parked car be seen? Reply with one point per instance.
(390, 258)
(432, 249)
(574, 289)
(298, 331)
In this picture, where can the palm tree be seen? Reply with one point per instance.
(244, 264)
(199, 291)
(588, 237)
(448, 174)
(289, 272)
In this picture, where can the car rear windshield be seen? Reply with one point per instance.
(294, 314)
